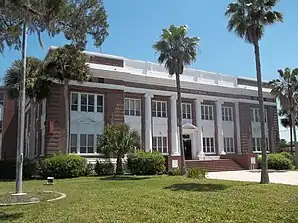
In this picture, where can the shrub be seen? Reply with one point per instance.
(8, 168)
(288, 156)
(104, 168)
(146, 163)
(278, 161)
(196, 173)
(174, 172)
(62, 166)
(89, 170)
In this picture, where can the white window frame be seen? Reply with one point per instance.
(163, 112)
(209, 149)
(78, 144)
(256, 145)
(227, 113)
(186, 110)
(95, 106)
(207, 116)
(255, 114)
(229, 145)
(160, 144)
(132, 109)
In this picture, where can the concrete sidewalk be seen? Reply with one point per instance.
(275, 176)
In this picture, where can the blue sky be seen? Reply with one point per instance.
(135, 25)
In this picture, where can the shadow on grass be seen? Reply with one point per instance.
(124, 178)
(10, 216)
(197, 187)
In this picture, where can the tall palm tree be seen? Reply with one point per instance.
(247, 19)
(177, 50)
(67, 64)
(285, 89)
(37, 87)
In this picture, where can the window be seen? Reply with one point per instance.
(90, 103)
(74, 101)
(160, 144)
(132, 107)
(255, 114)
(99, 103)
(86, 143)
(229, 145)
(227, 113)
(256, 144)
(159, 109)
(98, 138)
(208, 145)
(207, 112)
(186, 110)
(73, 143)
(84, 102)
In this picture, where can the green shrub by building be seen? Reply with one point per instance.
(196, 173)
(278, 161)
(62, 166)
(174, 172)
(289, 156)
(146, 163)
(104, 168)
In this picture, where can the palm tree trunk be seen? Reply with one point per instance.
(66, 106)
(295, 141)
(32, 128)
(179, 120)
(264, 172)
(119, 167)
(291, 134)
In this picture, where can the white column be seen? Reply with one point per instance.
(220, 137)
(148, 123)
(174, 130)
(199, 141)
(238, 127)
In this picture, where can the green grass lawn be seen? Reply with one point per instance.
(157, 199)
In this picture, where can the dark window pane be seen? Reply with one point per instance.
(84, 102)
(90, 103)
(74, 102)
(99, 100)
(84, 108)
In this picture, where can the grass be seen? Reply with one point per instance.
(157, 199)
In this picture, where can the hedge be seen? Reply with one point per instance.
(278, 161)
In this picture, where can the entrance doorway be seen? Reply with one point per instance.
(187, 147)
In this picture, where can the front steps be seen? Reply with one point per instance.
(214, 165)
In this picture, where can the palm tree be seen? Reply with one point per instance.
(177, 50)
(118, 140)
(67, 64)
(38, 87)
(247, 19)
(285, 90)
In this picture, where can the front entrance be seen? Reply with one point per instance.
(187, 147)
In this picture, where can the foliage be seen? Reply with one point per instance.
(117, 141)
(8, 168)
(104, 168)
(286, 118)
(62, 166)
(248, 19)
(67, 63)
(277, 161)
(89, 170)
(283, 143)
(146, 163)
(204, 201)
(174, 172)
(77, 19)
(196, 173)
(176, 49)
(38, 86)
(288, 156)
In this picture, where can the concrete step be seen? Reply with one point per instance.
(214, 165)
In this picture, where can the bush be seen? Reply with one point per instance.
(104, 168)
(278, 161)
(62, 166)
(288, 156)
(174, 172)
(196, 173)
(89, 170)
(146, 163)
(8, 168)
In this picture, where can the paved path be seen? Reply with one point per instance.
(282, 177)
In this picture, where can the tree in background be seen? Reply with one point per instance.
(177, 50)
(283, 143)
(117, 141)
(38, 87)
(285, 89)
(247, 19)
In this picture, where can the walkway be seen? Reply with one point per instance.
(276, 176)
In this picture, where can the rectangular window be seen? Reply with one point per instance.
(98, 138)
(90, 143)
(255, 114)
(227, 113)
(73, 143)
(90, 103)
(159, 109)
(256, 145)
(160, 144)
(207, 112)
(83, 143)
(208, 145)
(84, 102)
(132, 107)
(100, 103)
(229, 145)
(186, 110)
(74, 101)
